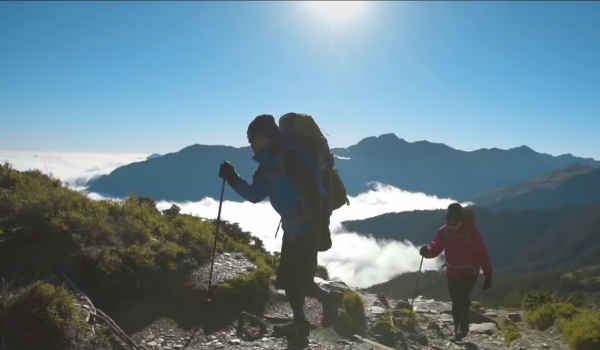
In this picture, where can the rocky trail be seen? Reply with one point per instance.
(430, 328)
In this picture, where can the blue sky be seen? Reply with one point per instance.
(159, 76)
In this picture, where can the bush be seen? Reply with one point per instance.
(546, 315)
(41, 314)
(510, 331)
(322, 272)
(112, 249)
(582, 332)
(533, 300)
(352, 314)
(579, 327)
(118, 247)
(406, 319)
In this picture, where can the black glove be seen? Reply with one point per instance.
(424, 251)
(227, 172)
(487, 284)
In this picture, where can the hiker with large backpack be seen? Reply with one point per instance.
(295, 170)
(466, 254)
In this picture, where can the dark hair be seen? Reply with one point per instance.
(455, 212)
(264, 125)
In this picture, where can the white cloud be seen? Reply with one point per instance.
(357, 260)
(72, 168)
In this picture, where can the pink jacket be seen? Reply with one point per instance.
(465, 251)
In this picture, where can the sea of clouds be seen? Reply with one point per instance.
(355, 259)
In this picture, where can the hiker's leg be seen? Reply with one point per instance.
(296, 300)
(467, 287)
(330, 301)
(291, 275)
(290, 267)
(454, 292)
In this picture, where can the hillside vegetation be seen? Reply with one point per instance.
(573, 185)
(114, 250)
(530, 240)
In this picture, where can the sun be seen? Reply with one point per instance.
(337, 9)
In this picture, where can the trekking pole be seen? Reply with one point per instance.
(416, 285)
(212, 262)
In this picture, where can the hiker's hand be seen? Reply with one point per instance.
(227, 172)
(424, 251)
(487, 284)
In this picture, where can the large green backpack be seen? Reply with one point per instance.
(302, 131)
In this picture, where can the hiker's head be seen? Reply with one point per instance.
(262, 130)
(454, 216)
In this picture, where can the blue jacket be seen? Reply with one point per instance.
(297, 195)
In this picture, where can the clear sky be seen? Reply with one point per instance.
(159, 76)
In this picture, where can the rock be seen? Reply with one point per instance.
(152, 343)
(383, 300)
(378, 303)
(382, 328)
(434, 326)
(400, 313)
(422, 339)
(403, 305)
(491, 314)
(483, 328)
(521, 344)
(234, 342)
(377, 310)
(476, 317)
(514, 316)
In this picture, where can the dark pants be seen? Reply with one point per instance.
(297, 267)
(460, 293)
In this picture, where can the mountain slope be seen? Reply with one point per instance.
(575, 184)
(525, 240)
(191, 174)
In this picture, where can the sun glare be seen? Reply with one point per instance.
(337, 9)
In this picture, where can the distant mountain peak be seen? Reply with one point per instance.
(523, 149)
(154, 155)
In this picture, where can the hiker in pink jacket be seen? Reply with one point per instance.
(466, 254)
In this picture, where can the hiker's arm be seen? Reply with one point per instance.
(482, 254)
(305, 180)
(436, 247)
(255, 192)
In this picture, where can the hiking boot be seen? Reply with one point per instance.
(297, 327)
(459, 335)
(331, 304)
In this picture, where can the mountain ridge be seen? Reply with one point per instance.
(574, 184)
(190, 174)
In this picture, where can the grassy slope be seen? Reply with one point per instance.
(114, 250)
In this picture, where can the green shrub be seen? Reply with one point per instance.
(510, 331)
(113, 249)
(405, 319)
(582, 332)
(322, 272)
(353, 319)
(579, 327)
(41, 314)
(546, 315)
(125, 246)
